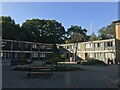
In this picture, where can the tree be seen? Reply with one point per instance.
(76, 34)
(45, 31)
(107, 32)
(93, 37)
(10, 30)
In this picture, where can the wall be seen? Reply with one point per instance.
(117, 29)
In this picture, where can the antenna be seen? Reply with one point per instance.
(91, 27)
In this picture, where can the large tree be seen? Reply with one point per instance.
(10, 30)
(46, 31)
(93, 37)
(107, 32)
(76, 34)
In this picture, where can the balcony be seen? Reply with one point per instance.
(6, 45)
(17, 46)
(98, 48)
(88, 49)
(110, 48)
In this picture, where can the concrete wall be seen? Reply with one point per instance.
(82, 51)
(117, 29)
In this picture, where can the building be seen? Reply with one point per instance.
(12, 49)
(101, 49)
(117, 27)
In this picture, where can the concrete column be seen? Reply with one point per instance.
(82, 50)
(31, 53)
(117, 41)
(11, 49)
(39, 52)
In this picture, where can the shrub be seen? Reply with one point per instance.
(92, 61)
(20, 62)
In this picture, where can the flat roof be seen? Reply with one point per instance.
(116, 21)
(25, 42)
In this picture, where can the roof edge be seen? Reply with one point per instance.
(116, 21)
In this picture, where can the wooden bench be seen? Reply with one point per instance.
(40, 71)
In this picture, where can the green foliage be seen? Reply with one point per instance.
(92, 61)
(10, 30)
(50, 31)
(45, 31)
(54, 48)
(76, 34)
(20, 61)
(36, 30)
(93, 37)
(107, 32)
(66, 68)
(56, 58)
(63, 57)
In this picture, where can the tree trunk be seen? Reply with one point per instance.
(75, 54)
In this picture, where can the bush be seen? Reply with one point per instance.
(21, 68)
(66, 68)
(92, 61)
(51, 62)
(20, 62)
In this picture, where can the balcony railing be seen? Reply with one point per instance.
(88, 49)
(110, 48)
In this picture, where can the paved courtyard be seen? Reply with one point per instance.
(90, 77)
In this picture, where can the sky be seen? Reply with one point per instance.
(99, 14)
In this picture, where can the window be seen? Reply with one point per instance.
(49, 47)
(88, 55)
(110, 43)
(26, 45)
(43, 46)
(16, 55)
(60, 47)
(97, 45)
(1, 54)
(43, 55)
(88, 45)
(34, 46)
(19, 45)
(98, 55)
(68, 47)
(35, 55)
(109, 55)
(78, 46)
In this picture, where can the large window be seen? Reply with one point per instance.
(42, 54)
(35, 55)
(97, 45)
(49, 47)
(109, 44)
(34, 46)
(88, 55)
(43, 47)
(69, 47)
(98, 55)
(88, 45)
(110, 55)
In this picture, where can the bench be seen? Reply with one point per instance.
(40, 71)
